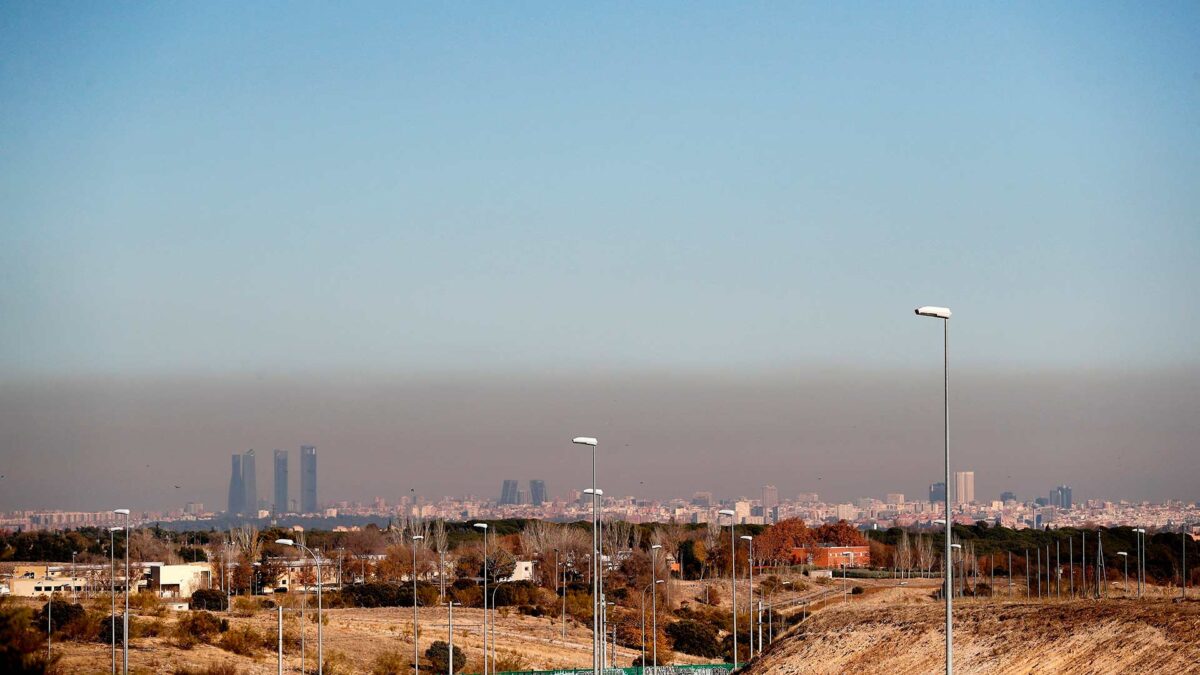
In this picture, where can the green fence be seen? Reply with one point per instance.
(703, 669)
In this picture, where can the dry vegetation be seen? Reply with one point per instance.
(899, 632)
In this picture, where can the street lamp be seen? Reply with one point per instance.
(943, 313)
(750, 597)
(598, 615)
(845, 570)
(320, 632)
(484, 527)
(1141, 552)
(732, 577)
(450, 632)
(654, 602)
(112, 587)
(958, 547)
(591, 442)
(125, 619)
(416, 655)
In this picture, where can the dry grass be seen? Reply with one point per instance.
(899, 632)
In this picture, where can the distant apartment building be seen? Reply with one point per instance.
(937, 492)
(964, 487)
(537, 492)
(308, 479)
(894, 498)
(808, 498)
(280, 503)
(770, 500)
(1008, 496)
(702, 499)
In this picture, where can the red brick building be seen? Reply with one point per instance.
(828, 555)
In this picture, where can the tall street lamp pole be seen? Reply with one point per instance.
(596, 495)
(484, 527)
(112, 587)
(320, 631)
(416, 653)
(125, 619)
(943, 313)
(1125, 555)
(750, 597)
(654, 601)
(733, 576)
(591, 442)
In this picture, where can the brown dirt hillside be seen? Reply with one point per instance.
(905, 636)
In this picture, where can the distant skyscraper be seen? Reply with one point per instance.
(937, 492)
(537, 492)
(509, 493)
(770, 498)
(237, 491)
(1061, 497)
(250, 485)
(1008, 497)
(703, 499)
(308, 479)
(964, 487)
(281, 482)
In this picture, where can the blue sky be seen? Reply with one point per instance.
(222, 187)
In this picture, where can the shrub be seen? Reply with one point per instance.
(195, 628)
(61, 613)
(213, 669)
(22, 649)
(241, 640)
(109, 625)
(506, 661)
(146, 603)
(209, 599)
(515, 593)
(86, 628)
(695, 638)
(245, 607)
(393, 663)
(857, 590)
(439, 657)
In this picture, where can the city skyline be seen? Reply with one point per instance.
(843, 435)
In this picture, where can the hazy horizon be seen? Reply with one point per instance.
(437, 241)
(843, 434)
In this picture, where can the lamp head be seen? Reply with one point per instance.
(482, 526)
(418, 537)
(727, 512)
(1122, 553)
(935, 312)
(285, 542)
(597, 491)
(655, 547)
(121, 512)
(584, 440)
(747, 537)
(660, 581)
(115, 529)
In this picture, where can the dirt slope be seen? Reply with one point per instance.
(900, 634)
